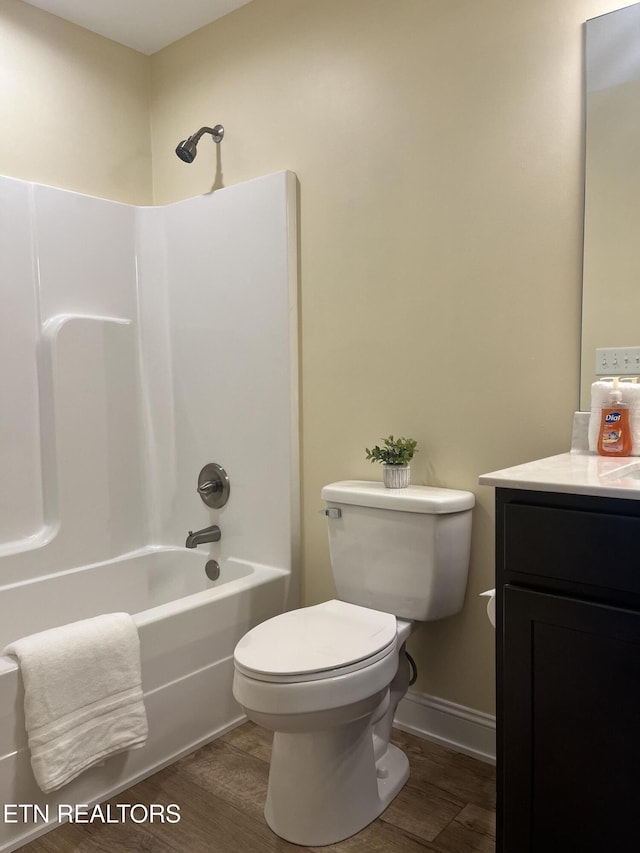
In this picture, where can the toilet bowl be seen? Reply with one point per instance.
(320, 678)
(327, 679)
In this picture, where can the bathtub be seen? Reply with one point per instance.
(188, 627)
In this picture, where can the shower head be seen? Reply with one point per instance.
(188, 148)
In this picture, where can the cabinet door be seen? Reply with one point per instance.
(570, 698)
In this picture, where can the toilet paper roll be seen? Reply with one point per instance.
(491, 605)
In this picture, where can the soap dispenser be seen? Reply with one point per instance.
(614, 438)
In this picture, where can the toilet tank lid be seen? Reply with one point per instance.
(427, 499)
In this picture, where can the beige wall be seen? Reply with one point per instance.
(74, 107)
(438, 144)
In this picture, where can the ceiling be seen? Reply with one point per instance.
(144, 25)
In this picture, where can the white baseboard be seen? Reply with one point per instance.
(448, 724)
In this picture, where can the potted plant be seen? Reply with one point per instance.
(395, 457)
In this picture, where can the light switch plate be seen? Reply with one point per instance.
(618, 361)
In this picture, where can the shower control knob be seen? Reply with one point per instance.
(213, 485)
(209, 487)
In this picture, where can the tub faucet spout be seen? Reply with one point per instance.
(208, 534)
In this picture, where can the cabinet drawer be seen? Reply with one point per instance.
(592, 548)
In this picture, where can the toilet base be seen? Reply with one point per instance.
(393, 772)
(325, 786)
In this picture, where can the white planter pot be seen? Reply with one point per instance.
(396, 476)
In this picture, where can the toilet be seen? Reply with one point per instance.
(327, 679)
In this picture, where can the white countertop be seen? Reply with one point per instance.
(577, 473)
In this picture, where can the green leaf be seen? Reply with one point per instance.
(396, 451)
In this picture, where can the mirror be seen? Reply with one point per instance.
(611, 278)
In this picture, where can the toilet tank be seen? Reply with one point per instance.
(403, 551)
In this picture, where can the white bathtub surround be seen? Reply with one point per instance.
(82, 695)
(139, 344)
(153, 341)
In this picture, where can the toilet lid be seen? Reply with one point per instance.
(316, 641)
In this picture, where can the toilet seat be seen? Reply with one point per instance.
(318, 642)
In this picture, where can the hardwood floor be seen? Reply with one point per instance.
(447, 806)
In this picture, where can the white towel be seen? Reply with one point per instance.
(600, 392)
(82, 695)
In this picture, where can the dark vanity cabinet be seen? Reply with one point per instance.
(568, 673)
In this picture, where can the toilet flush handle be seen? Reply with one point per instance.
(332, 512)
